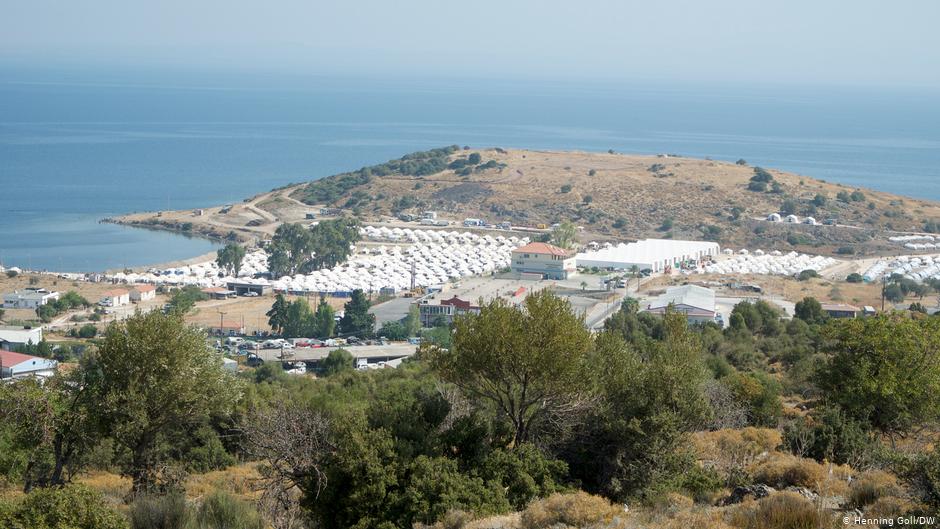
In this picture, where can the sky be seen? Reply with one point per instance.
(793, 42)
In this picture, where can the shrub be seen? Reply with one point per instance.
(854, 277)
(222, 510)
(871, 486)
(579, 509)
(759, 187)
(729, 452)
(160, 512)
(592, 172)
(784, 510)
(788, 471)
(807, 274)
(566, 188)
(64, 508)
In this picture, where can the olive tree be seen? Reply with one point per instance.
(159, 381)
(884, 370)
(527, 361)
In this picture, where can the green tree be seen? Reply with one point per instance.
(809, 310)
(184, 299)
(635, 442)
(300, 321)
(324, 320)
(159, 381)
(356, 320)
(338, 361)
(277, 316)
(884, 370)
(296, 249)
(564, 235)
(230, 258)
(528, 361)
(52, 424)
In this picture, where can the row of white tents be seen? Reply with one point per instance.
(430, 262)
(918, 268)
(775, 263)
(792, 219)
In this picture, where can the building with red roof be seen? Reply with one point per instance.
(19, 365)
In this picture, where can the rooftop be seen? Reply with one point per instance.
(9, 358)
(115, 292)
(839, 307)
(144, 288)
(691, 295)
(542, 248)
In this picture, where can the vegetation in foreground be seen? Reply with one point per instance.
(524, 420)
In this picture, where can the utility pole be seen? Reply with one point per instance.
(884, 285)
(221, 322)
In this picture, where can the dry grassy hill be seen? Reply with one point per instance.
(612, 196)
(630, 196)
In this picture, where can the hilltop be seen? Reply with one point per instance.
(612, 196)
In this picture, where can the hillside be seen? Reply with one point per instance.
(612, 196)
(626, 196)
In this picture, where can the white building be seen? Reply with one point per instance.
(115, 298)
(143, 292)
(28, 298)
(11, 337)
(545, 260)
(18, 365)
(649, 254)
(697, 303)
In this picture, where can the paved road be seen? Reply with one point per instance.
(392, 310)
(372, 352)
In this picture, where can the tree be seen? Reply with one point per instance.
(159, 380)
(324, 320)
(528, 361)
(884, 370)
(356, 320)
(634, 443)
(300, 321)
(635, 273)
(184, 299)
(741, 161)
(52, 423)
(337, 361)
(854, 277)
(412, 321)
(296, 249)
(820, 200)
(474, 158)
(564, 235)
(230, 258)
(809, 310)
(277, 316)
(291, 248)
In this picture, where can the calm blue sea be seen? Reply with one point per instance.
(79, 147)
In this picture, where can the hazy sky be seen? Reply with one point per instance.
(791, 41)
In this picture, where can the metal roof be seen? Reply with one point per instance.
(691, 295)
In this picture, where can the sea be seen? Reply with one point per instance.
(78, 146)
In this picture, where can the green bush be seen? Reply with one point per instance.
(72, 507)
(160, 512)
(854, 277)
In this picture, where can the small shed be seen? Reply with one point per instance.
(143, 292)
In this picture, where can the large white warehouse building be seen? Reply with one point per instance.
(652, 254)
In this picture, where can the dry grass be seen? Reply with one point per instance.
(781, 471)
(236, 480)
(889, 507)
(730, 452)
(871, 486)
(645, 190)
(579, 509)
(784, 510)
